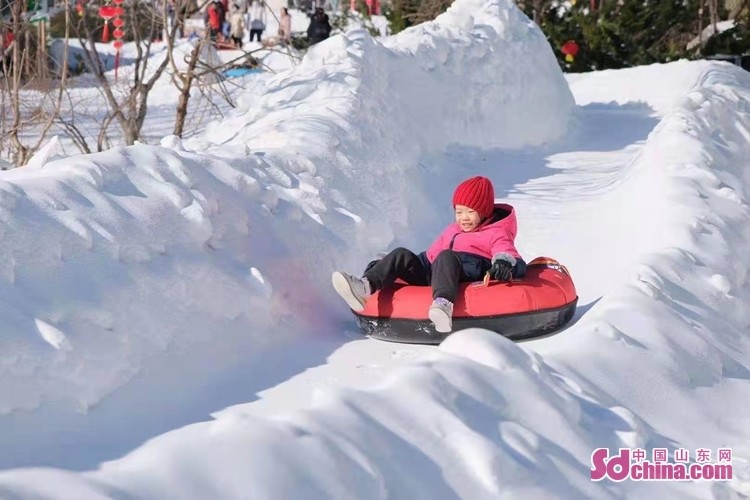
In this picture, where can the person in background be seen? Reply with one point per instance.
(225, 19)
(170, 19)
(257, 16)
(8, 41)
(236, 26)
(172, 6)
(214, 17)
(285, 26)
(320, 27)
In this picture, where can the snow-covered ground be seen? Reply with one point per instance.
(169, 328)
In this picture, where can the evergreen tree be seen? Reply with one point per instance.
(733, 41)
(624, 33)
(614, 33)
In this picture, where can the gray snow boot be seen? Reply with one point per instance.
(441, 314)
(353, 290)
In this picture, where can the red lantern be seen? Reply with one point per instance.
(570, 49)
(119, 33)
(107, 12)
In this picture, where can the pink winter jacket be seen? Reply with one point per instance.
(485, 241)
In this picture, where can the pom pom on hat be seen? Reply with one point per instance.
(476, 193)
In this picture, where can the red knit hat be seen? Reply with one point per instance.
(476, 193)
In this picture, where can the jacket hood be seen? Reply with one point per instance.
(503, 215)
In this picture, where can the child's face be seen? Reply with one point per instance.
(468, 219)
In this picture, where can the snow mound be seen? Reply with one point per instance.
(495, 78)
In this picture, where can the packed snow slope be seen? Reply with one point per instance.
(150, 263)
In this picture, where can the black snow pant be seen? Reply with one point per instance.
(444, 274)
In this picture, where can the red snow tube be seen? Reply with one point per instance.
(539, 303)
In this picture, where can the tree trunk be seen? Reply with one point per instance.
(130, 123)
(737, 6)
(187, 83)
(713, 9)
(131, 134)
(700, 29)
(20, 151)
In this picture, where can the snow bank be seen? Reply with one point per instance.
(481, 74)
(130, 264)
(439, 429)
(669, 340)
(628, 86)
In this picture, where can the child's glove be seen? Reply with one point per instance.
(502, 267)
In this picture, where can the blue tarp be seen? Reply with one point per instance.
(234, 72)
